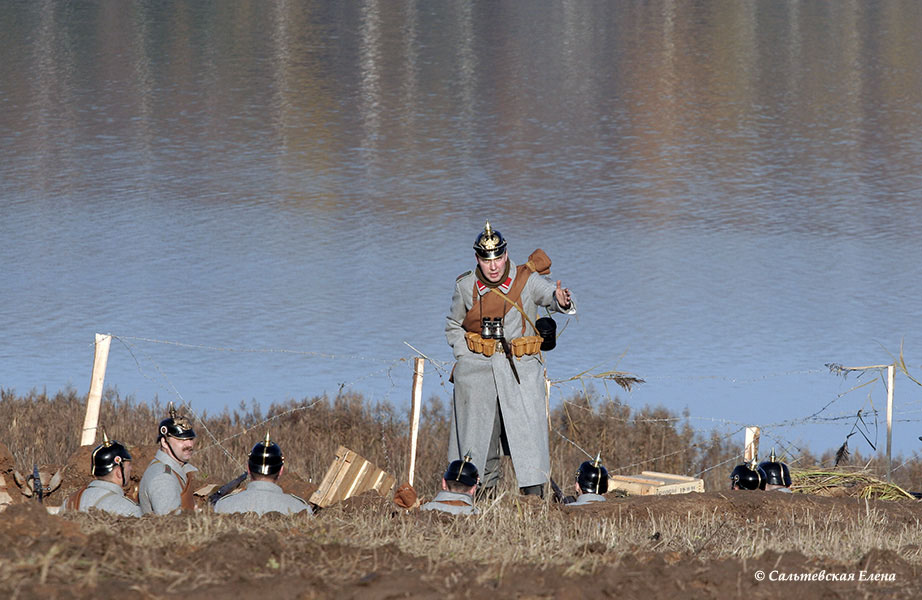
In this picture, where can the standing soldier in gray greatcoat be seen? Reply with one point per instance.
(458, 486)
(263, 494)
(499, 395)
(166, 486)
(106, 492)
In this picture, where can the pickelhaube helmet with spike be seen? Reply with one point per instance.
(748, 476)
(490, 243)
(107, 456)
(776, 472)
(592, 477)
(176, 426)
(266, 457)
(463, 471)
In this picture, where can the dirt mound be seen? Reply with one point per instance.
(28, 528)
(365, 548)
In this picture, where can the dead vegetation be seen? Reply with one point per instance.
(652, 546)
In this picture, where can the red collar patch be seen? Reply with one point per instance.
(503, 287)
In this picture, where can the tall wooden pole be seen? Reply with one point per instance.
(751, 449)
(100, 359)
(891, 370)
(419, 365)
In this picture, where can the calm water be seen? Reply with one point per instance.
(286, 191)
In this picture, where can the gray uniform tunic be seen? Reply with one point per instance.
(159, 491)
(262, 497)
(109, 497)
(438, 503)
(587, 499)
(484, 383)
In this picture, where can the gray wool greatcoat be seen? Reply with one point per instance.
(481, 383)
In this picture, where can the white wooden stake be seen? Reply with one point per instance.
(100, 359)
(891, 371)
(419, 365)
(751, 449)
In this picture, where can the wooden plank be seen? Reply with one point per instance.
(347, 467)
(668, 476)
(751, 449)
(417, 392)
(94, 397)
(333, 472)
(680, 488)
(654, 483)
(350, 475)
(632, 485)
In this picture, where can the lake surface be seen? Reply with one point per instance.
(265, 201)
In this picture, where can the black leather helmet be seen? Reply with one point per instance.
(490, 243)
(176, 426)
(107, 456)
(776, 472)
(592, 477)
(266, 458)
(748, 477)
(463, 471)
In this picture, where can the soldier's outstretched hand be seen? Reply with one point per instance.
(563, 296)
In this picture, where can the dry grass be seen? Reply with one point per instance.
(44, 429)
(94, 554)
(347, 543)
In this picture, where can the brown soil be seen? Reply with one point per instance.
(279, 559)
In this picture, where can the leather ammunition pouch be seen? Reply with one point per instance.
(521, 346)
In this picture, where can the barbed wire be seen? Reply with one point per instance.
(183, 402)
(253, 350)
(442, 370)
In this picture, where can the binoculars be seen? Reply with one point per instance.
(491, 329)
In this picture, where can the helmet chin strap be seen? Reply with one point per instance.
(169, 446)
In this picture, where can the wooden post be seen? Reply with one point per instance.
(891, 369)
(751, 449)
(419, 365)
(100, 359)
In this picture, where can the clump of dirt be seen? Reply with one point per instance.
(292, 483)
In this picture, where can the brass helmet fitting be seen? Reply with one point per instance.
(490, 243)
(176, 426)
(266, 458)
(592, 477)
(463, 471)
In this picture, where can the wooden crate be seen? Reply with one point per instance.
(650, 483)
(350, 475)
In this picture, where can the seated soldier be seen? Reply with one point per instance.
(777, 475)
(106, 492)
(459, 483)
(166, 486)
(747, 476)
(263, 494)
(591, 482)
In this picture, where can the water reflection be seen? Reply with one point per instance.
(725, 185)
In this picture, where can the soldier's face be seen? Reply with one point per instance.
(181, 448)
(492, 268)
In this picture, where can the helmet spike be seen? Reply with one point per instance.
(597, 460)
(172, 409)
(105, 439)
(772, 459)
